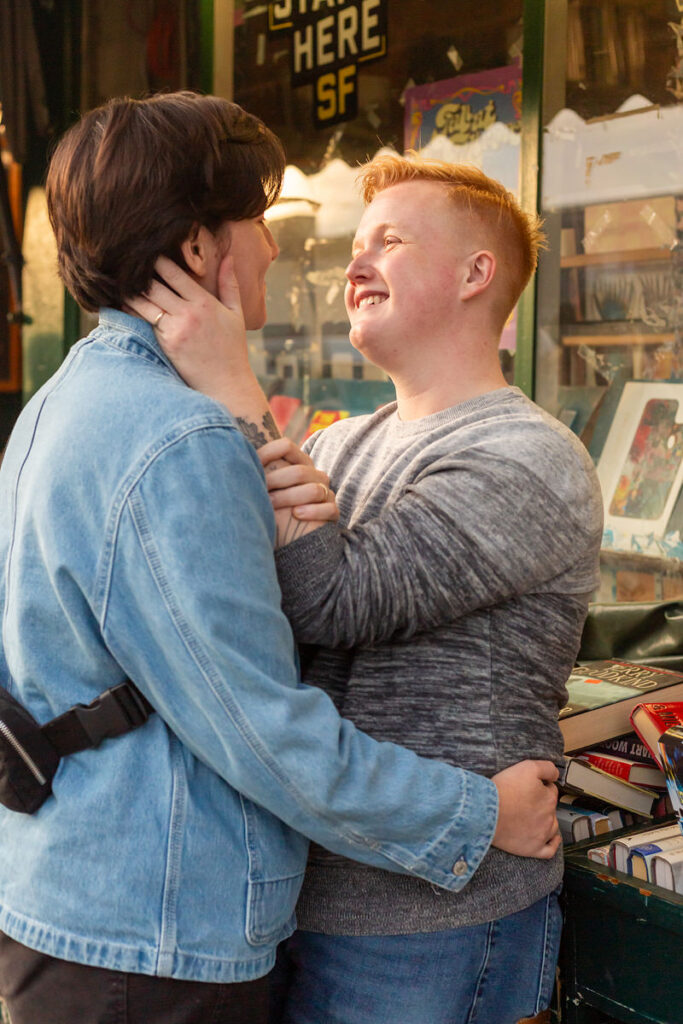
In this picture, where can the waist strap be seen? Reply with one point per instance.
(115, 712)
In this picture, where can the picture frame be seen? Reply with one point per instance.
(641, 469)
(461, 108)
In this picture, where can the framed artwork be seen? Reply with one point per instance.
(641, 469)
(462, 108)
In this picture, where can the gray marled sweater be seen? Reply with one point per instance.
(445, 615)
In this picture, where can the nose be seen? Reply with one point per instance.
(357, 268)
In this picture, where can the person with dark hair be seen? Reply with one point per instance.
(136, 542)
(444, 611)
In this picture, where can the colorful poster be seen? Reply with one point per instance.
(462, 108)
(324, 418)
(641, 470)
(652, 463)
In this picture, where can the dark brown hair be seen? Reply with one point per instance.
(134, 178)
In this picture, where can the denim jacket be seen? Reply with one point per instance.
(136, 539)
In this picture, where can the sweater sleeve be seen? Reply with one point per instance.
(192, 613)
(472, 531)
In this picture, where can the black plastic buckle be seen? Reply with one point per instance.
(115, 712)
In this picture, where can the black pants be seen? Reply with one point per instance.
(38, 989)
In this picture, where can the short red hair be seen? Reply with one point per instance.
(471, 190)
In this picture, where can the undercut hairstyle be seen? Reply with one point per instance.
(515, 236)
(134, 178)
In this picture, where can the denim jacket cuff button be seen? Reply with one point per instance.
(460, 868)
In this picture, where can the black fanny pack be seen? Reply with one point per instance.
(30, 753)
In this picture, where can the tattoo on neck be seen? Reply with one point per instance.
(256, 436)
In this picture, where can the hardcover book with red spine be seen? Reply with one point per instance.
(652, 720)
(624, 768)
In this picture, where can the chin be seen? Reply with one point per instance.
(373, 347)
(256, 321)
(361, 339)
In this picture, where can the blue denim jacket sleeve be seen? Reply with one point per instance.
(190, 606)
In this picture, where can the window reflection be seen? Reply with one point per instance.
(609, 306)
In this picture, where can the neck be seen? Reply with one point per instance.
(448, 378)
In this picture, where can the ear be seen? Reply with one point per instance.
(199, 249)
(480, 270)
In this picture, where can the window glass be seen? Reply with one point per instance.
(337, 82)
(609, 356)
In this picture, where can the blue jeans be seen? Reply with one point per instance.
(495, 973)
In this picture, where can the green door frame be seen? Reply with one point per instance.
(531, 151)
(206, 44)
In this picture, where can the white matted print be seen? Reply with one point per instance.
(641, 466)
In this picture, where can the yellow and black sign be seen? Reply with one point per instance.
(330, 38)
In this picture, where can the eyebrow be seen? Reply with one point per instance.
(376, 229)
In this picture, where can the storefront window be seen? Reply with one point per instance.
(338, 82)
(610, 288)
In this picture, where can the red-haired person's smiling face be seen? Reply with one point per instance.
(402, 279)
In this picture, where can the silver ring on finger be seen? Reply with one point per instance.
(158, 318)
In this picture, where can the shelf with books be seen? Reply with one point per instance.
(616, 928)
(616, 869)
(618, 882)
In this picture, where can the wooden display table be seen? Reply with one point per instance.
(622, 946)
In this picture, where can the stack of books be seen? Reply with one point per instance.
(615, 774)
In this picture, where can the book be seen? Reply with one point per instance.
(621, 847)
(576, 823)
(652, 719)
(617, 816)
(584, 778)
(663, 807)
(600, 854)
(640, 857)
(671, 753)
(602, 695)
(630, 746)
(667, 869)
(573, 824)
(624, 768)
